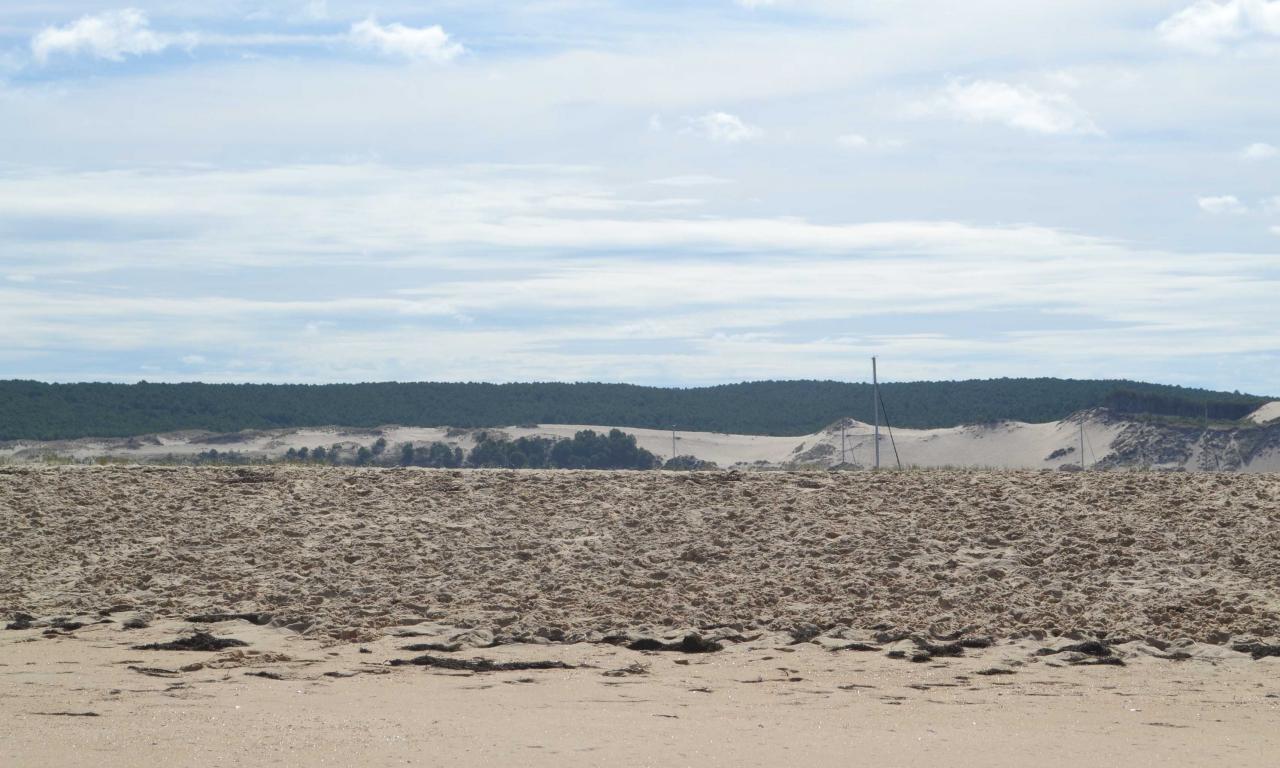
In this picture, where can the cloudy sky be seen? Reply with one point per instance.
(654, 192)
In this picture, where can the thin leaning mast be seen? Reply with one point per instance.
(875, 407)
(1082, 459)
(842, 442)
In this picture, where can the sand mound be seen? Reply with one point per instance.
(566, 554)
(1266, 414)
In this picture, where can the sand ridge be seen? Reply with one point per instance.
(572, 555)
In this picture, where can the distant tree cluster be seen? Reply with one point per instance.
(689, 464)
(1129, 401)
(32, 410)
(339, 454)
(438, 455)
(221, 458)
(585, 450)
(521, 453)
(317, 455)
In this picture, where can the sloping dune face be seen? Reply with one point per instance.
(1267, 413)
(567, 554)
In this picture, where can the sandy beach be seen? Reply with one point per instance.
(908, 618)
(289, 700)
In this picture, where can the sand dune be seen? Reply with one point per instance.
(1266, 414)
(1109, 441)
(1005, 445)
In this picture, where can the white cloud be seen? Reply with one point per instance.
(1259, 151)
(1271, 205)
(854, 141)
(1064, 79)
(419, 251)
(314, 10)
(723, 127)
(1209, 25)
(371, 227)
(1275, 231)
(234, 219)
(690, 180)
(395, 39)
(858, 142)
(1204, 25)
(194, 360)
(111, 35)
(1221, 204)
(1017, 106)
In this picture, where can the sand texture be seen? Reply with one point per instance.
(545, 618)
(577, 555)
(88, 698)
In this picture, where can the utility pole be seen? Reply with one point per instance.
(875, 395)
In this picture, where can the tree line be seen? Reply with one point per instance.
(31, 410)
(587, 449)
(1132, 402)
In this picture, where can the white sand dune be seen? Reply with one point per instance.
(1266, 414)
(1108, 442)
(1007, 445)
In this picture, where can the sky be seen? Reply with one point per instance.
(651, 192)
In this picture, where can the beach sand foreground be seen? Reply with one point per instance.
(940, 618)
(294, 701)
